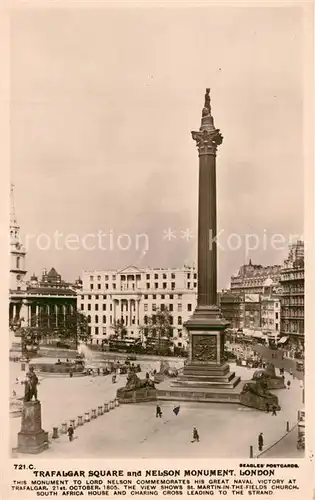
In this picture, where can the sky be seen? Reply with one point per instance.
(103, 102)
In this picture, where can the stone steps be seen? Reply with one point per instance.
(211, 384)
(200, 396)
(206, 378)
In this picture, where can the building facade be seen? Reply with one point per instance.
(292, 299)
(37, 302)
(132, 295)
(251, 278)
(270, 312)
(232, 308)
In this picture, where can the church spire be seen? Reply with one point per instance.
(13, 220)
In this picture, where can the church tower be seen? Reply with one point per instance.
(17, 252)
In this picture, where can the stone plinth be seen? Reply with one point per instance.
(142, 395)
(32, 438)
(206, 376)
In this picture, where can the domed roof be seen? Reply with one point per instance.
(268, 282)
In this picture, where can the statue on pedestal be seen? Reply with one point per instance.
(31, 385)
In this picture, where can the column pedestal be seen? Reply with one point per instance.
(32, 438)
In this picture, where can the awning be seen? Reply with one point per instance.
(283, 340)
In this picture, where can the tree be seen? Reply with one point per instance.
(158, 331)
(120, 331)
(73, 327)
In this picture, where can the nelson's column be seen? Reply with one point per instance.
(206, 376)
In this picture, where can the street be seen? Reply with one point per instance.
(287, 364)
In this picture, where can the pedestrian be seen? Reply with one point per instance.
(176, 410)
(274, 410)
(267, 408)
(288, 384)
(291, 373)
(158, 411)
(70, 373)
(260, 441)
(70, 432)
(195, 436)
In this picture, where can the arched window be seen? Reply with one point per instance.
(179, 320)
(96, 318)
(18, 262)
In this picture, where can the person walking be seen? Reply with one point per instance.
(176, 410)
(70, 432)
(260, 441)
(267, 408)
(288, 384)
(195, 438)
(274, 410)
(158, 411)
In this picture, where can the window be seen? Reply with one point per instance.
(104, 297)
(18, 262)
(154, 296)
(277, 315)
(173, 286)
(179, 344)
(153, 307)
(89, 318)
(164, 286)
(179, 321)
(114, 277)
(111, 320)
(114, 286)
(179, 308)
(96, 331)
(148, 276)
(82, 307)
(106, 277)
(188, 276)
(110, 307)
(162, 297)
(145, 295)
(180, 334)
(148, 285)
(164, 276)
(89, 330)
(104, 318)
(173, 276)
(171, 296)
(170, 307)
(91, 287)
(96, 318)
(189, 307)
(145, 307)
(145, 319)
(91, 278)
(156, 276)
(82, 297)
(195, 284)
(89, 307)
(99, 278)
(96, 297)
(106, 286)
(104, 330)
(104, 307)
(162, 307)
(277, 326)
(179, 296)
(99, 286)
(156, 285)
(96, 307)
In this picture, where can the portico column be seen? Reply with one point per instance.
(130, 312)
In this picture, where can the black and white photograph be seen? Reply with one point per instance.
(157, 235)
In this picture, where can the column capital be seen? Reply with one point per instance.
(207, 141)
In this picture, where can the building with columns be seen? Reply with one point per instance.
(134, 294)
(37, 302)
